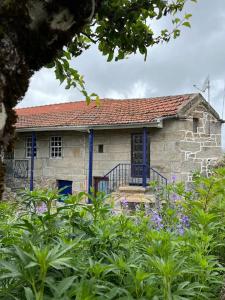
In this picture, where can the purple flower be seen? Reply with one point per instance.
(174, 177)
(175, 197)
(180, 229)
(124, 203)
(157, 220)
(185, 221)
(41, 208)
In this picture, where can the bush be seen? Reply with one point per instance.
(84, 252)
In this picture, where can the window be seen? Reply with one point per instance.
(100, 148)
(195, 125)
(29, 147)
(56, 146)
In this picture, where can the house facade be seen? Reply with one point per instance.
(120, 142)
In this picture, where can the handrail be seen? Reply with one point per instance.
(158, 173)
(130, 174)
(111, 170)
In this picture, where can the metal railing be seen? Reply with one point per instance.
(16, 173)
(129, 174)
(17, 168)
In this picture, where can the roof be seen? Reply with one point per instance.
(110, 112)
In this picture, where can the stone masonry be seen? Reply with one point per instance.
(202, 149)
(176, 150)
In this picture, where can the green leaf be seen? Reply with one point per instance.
(187, 24)
(176, 21)
(110, 56)
(50, 65)
(28, 293)
(188, 16)
(31, 264)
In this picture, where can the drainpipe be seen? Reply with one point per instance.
(90, 162)
(32, 161)
(144, 173)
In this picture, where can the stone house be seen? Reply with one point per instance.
(118, 143)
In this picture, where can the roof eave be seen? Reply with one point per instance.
(157, 124)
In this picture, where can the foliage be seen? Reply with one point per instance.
(174, 250)
(120, 28)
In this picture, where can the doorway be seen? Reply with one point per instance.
(137, 158)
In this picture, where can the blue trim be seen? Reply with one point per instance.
(32, 162)
(65, 188)
(90, 164)
(145, 142)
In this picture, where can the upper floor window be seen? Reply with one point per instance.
(56, 146)
(29, 147)
(195, 125)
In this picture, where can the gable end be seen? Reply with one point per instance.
(187, 108)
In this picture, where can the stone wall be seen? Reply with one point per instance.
(202, 149)
(175, 151)
(74, 163)
(116, 149)
(47, 170)
(165, 152)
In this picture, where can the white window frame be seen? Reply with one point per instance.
(28, 147)
(54, 149)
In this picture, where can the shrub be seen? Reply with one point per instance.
(76, 251)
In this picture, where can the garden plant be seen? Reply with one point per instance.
(172, 250)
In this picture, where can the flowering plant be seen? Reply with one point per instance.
(172, 250)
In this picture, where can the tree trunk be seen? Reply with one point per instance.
(32, 32)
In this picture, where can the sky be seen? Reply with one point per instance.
(170, 69)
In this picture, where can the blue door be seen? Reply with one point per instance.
(137, 155)
(66, 185)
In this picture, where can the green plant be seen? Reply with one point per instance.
(174, 251)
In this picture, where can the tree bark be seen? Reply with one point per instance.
(32, 32)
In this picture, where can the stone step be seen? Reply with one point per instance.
(135, 189)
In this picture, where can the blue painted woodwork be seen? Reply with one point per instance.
(137, 159)
(90, 165)
(100, 184)
(66, 185)
(33, 142)
(144, 173)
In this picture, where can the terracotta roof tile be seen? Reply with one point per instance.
(110, 112)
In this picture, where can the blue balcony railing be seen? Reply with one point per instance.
(130, 174)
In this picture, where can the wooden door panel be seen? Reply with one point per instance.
(137, 154)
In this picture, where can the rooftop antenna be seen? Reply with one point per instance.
(205, 86)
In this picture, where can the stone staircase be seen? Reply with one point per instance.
(133, 195)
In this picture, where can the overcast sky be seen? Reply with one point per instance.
(171, 68)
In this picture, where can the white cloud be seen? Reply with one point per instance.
(137, 90)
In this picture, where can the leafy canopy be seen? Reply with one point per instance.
(120, 28)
